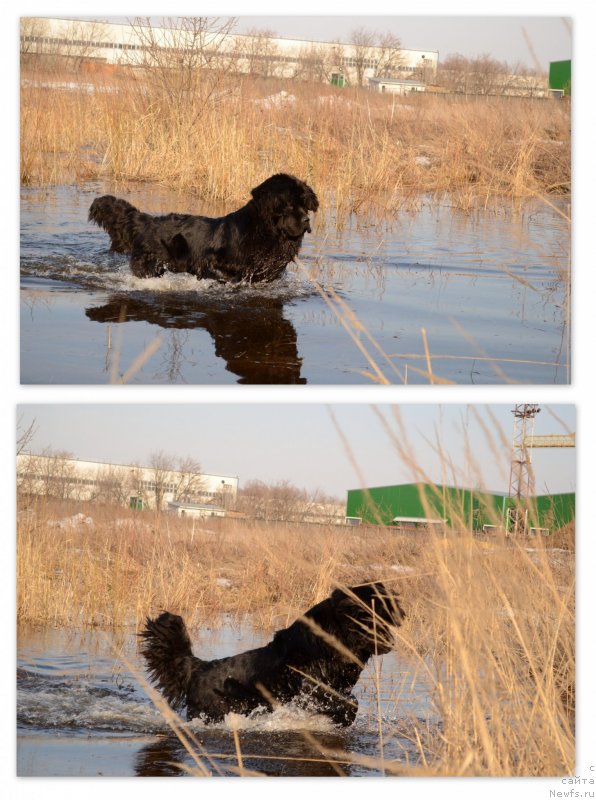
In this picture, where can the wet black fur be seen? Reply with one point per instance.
(255, 243)
(300, 662)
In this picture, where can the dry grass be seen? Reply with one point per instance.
(495, 628)
(137, 563)
(360, 150)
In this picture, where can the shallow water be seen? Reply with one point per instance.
(82, 710)
(487, 289)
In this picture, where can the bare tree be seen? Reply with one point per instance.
(379, 52)
(253, 499)
(259, 52)
(312, 63)
(27, 471)
(25, 434)
(284, 502)
(184, 58)
(33, 31)
(389, 55)
(188, 480)
(77, 42)
(362, 41)
(51, 473)
(524, 80)
(488, 74)
(480, 75)
(454, 73)
(111, 485)
(161, 466)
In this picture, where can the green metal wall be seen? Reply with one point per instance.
(460, 507)
(553, 511)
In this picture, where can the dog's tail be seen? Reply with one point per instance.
(166, 649)
(116, 217)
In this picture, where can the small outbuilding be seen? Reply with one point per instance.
(396, 85)
(195, 510)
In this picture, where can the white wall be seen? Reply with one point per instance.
(120, 44)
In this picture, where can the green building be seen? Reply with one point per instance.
(559, 77)
(423, 504)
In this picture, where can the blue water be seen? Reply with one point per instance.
(430, 294)
(83, 709)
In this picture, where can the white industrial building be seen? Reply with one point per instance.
(131, 45)
(131, 485)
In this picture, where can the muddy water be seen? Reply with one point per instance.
(82, 711)
(488, 290)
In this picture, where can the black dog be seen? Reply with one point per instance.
(255, 243)
(317, 660)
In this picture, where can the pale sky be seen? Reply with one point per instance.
(302, 444)
(509, 31)
(529, 39)
(506, 38)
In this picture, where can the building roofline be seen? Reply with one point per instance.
(396, 81)
(115, 464)
(197, 506)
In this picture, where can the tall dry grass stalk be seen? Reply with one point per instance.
(496, 634)
(360, 150)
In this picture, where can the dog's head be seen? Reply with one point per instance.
(360, 618)
(283, 203)
(368, 612)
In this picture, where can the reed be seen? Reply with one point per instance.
(127, 565)
(362, 152)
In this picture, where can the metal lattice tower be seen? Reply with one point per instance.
(521, 478)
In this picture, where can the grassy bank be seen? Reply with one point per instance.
(361, 151)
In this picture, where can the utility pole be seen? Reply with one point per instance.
(521, 477)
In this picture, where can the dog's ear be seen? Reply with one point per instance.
(373, 612)
(270, 204)
(271, 198)
(277, 192)
(309, 199)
